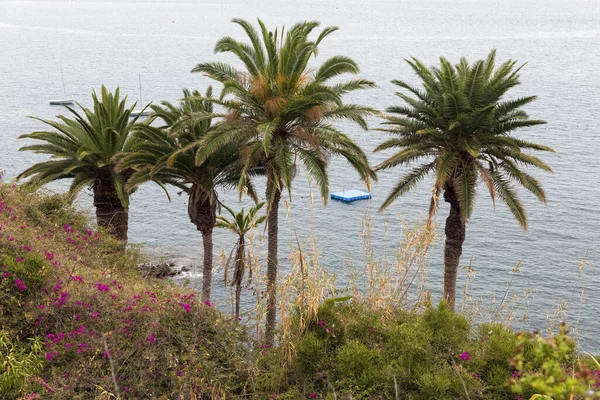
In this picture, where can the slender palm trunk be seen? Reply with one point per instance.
(272, 228)
(202, 209)
(455, 236)
(207, 246)
(238, 275)
(110, 213)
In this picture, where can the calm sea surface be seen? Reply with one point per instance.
(113, 43)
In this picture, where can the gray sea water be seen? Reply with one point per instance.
(112, 43)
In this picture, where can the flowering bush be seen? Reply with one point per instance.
(76, 311)
(553, 369)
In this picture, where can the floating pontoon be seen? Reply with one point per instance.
(351, 195)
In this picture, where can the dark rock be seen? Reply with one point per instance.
(163, 270)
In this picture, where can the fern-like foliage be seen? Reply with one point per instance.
(83, 147)
(165, 153)
(282, 110)
(459, 128)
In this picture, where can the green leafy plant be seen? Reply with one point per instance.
(240, 224)
(283, 111)
(459, 128)
(83, 148)
(167, 155)
(552, 371)
(18, 361)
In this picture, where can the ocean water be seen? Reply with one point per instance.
(112, 43)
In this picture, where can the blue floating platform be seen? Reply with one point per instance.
(350, 195)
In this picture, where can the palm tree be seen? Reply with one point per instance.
(83, 148)
(241, 224)
(284, 111)
(458, 127)
(166, 155)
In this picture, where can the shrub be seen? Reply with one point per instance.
(80, 292)
(75, 312)
(552, 369)
(18, 361)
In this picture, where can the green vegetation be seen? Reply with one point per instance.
(168, 155)
(282, 112)
(460, 128)
(79, 322)
(241, 224)
(84, 149)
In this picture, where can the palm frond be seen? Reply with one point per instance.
(408, 182)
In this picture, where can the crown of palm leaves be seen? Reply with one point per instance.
(458, 127)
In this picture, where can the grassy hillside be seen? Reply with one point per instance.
(85, 324)
(80, 322)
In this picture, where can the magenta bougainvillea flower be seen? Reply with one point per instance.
(20, 284)
(102, 288)
(465, 356)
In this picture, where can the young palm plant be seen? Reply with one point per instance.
(241, 224)
(284, 112)
(166, 155)
(458, 127)
(83, 148)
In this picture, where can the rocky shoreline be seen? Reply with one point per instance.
(163, 269)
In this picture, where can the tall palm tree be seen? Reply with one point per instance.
(283, 110)
(166, 155)
(241, 224)
(458, 128)
(83, 148)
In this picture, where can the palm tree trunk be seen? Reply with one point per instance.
(202, 209)
(207, 246)
(110, 213)
(238, 275)
(455, 236)
(272, 229)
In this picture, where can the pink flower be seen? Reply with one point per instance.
(20, 284)
(102, 288)
(18, 259)
(312, 396)
(27, 248)
(465, 356)
(49, 356)
(186, 307)
(208, 303)
(152, 338)
(64, 296)
(76, 278)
